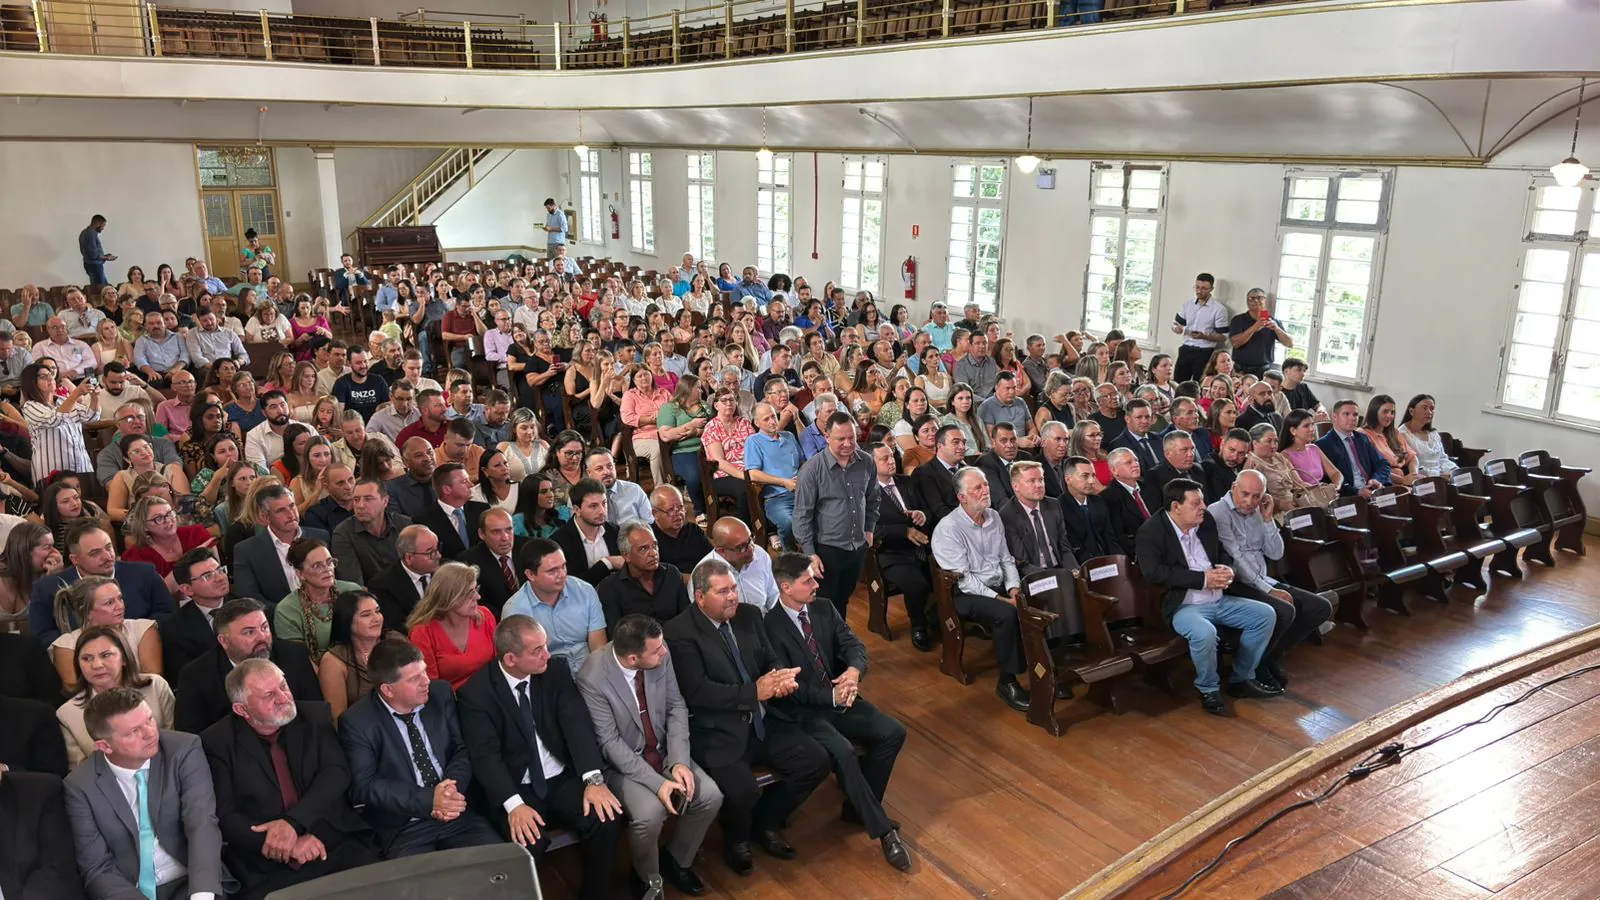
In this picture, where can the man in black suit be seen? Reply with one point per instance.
(495, 556)
(1180, 552)
(1088, 521)
(1055, 445)
(534, 754)
(1124, 498)
(1178, 450)
(454, 515)
(91, 551)
(728, 673)
(39, 862)
(242, 634)
(31, 740)
(587, 540)
(996, 463)
(260, 569)
(935, 480)
(1036, 531)
(1225, 465)
(409, 767)
(188, 633)
(1137, 437)
(399, 589)
(1260, 409)
(280, 777)
(1352, 453)
(813, 638)
(644, 585)
(26, 670)
(902, 541)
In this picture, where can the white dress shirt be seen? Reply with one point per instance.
(168, 869)
(757, 586)
(547, 763)
(283, 557)
(1194, 552)
(405, 738)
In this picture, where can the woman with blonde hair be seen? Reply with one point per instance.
(526, 452)
(303, 394)
(280, 373)
(1094, 362)
(152, 535)
(101, 661)
(454, 632)
(111, 346)
(90, 601)
(1085, 442)
(267, 326)
(641, 404)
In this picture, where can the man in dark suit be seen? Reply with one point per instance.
(399, 589)
(1178, 461)
(38, 862)
(242, 633)
(1055, 444)
(31, 740)
(728, 673)
(1179, 552)
(1036, 530)
(454, 515)
(495, 556)
(1124, 499)
(588, 528)
(259, 567)
(90, 551)
(26, 670)
(1088, 520)
(1352, 452)
(280, 778)
(996, 463)
(813, 638)
(1260, 409)
(1137, 437)
(935, 480)
(1225, 465)
(141, 774)
(409, 768)
(1188, 418)
(188, 633)
(902, 541)
(644, 585)
(534, 756)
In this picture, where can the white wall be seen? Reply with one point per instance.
(501, 210)
(369, 176)
(49, 191)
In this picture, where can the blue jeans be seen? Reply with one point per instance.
(780, 512)
(96, 272)
(687, 465)
(1197, 623)
(1078, 12)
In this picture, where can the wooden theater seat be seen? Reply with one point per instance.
(1113, 592)
(1517, 506)
(1083, 655)
(1562, 500)
(1321, 556)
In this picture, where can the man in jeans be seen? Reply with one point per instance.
(1251, 537)
(94, 256)
(1179, 551)
(772, 460)
(837, 510)
(555, 227)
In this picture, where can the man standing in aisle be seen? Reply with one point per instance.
(836, 510)
(1204, 326)
(555, 227)
(1253, 335)
(94, 256)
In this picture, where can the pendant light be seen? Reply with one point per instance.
(1027, 162)
(581, 148)
(1569, 171)
(764, 155)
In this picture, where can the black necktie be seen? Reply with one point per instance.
(419, 750)
(525, 704)
(1047, 559)
(744, 674)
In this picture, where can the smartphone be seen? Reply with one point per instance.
(1265, 315)
(678, 798)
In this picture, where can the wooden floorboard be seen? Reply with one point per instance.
(996, 808)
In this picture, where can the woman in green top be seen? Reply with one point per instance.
(306, 615)
(681, 419)
(891, 411)
(256, 255)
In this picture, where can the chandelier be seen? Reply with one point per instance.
(248, 156)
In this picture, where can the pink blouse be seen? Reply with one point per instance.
(1306, 461)
(638, 405)
(1381, 442)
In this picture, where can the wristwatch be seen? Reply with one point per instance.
(594, 779)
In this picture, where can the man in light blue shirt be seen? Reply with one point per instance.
(211, 283)
(624, 499)
(752, 287)
(158, 352)
(567, 608)
(772, 460)
(941, 329)
(388, 295)
(561, 263)
(555, 227)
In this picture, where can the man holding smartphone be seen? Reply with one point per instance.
(1254, 334)
(1202, 324)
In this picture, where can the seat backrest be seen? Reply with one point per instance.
(1433, 489)
(1392, 500)
(1114, 578)
(1503, 470)
(1539, 461)
(1350, 511)
(1310, 522)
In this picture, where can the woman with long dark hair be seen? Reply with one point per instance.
(30, 554)
(1417, 430)
(56, 432)
(355, 627)
(102, 660)
(537, 515)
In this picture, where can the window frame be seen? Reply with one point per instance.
(700, 198)
(768, 184)
(1124, 212)
(852, 281)
(1330, 228)
(591, 198)
(977, 204)
(641, 202)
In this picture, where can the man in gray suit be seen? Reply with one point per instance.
(622, 683)
(142, 809)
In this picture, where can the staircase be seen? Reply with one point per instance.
(437, 188)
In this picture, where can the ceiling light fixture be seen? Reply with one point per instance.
(764, 155)
(581, 148)
(1569, 171)
(1027, 162)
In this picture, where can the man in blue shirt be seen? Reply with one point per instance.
(388, 293)
(941, 329)
(555, 227)
(751, 286)
(772, 459)
(347, 279)
(567, 607)
(94, 256)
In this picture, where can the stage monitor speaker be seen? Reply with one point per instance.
(497, 872)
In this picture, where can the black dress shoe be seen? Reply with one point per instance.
(921, 640)
(681, 877)
(1278, 674)
(1252, 688)
(1013, 695)
(1265, 679)
(737, 856)
(849, 815)
(1212, 703)
(895, 852)
(773, 842)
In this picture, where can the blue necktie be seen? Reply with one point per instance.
(461, 526)
(147, 836)
(744, 675)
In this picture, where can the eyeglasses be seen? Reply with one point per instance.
(427, 554)
(133, 417)
(164, 518)
(207, 576)
(740, 548)
(327, 564)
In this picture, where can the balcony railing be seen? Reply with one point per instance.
(735, 29)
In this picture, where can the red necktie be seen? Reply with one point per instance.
(505, 569)
(811, 643)
(1143, 510)
(652, 750)
(280, 766)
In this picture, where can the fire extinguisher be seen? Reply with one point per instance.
(599, 26)
(908, 274)
(616, 225)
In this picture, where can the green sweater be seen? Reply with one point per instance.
(674, 416)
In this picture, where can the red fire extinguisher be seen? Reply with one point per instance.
(908, 274)
(616, 225)
(599, 25)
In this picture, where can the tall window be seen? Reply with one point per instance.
(1127, 207)
(772, 213)
(977, 194)
(641, 203)
(589, 197)
(703, 205)
(1552, 351)
(861, 256)
(1330, 251)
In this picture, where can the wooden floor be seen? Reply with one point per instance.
(994, 807)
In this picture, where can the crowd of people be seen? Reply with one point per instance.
(275, 630)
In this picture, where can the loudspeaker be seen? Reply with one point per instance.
(497, 872)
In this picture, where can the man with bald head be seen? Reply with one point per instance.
(398, 589)
(1249, 535)
(412, 493)
(73, 357)
(682, 542)
(752, 566)
(339, 480)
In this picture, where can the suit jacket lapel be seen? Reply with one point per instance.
(107, 782)
(618, 682)
(249, 744)
(508, 700)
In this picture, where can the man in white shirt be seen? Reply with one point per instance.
(752, 567)
(263, 444)
(81, 318)
(73, 357)
(1204, 326)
